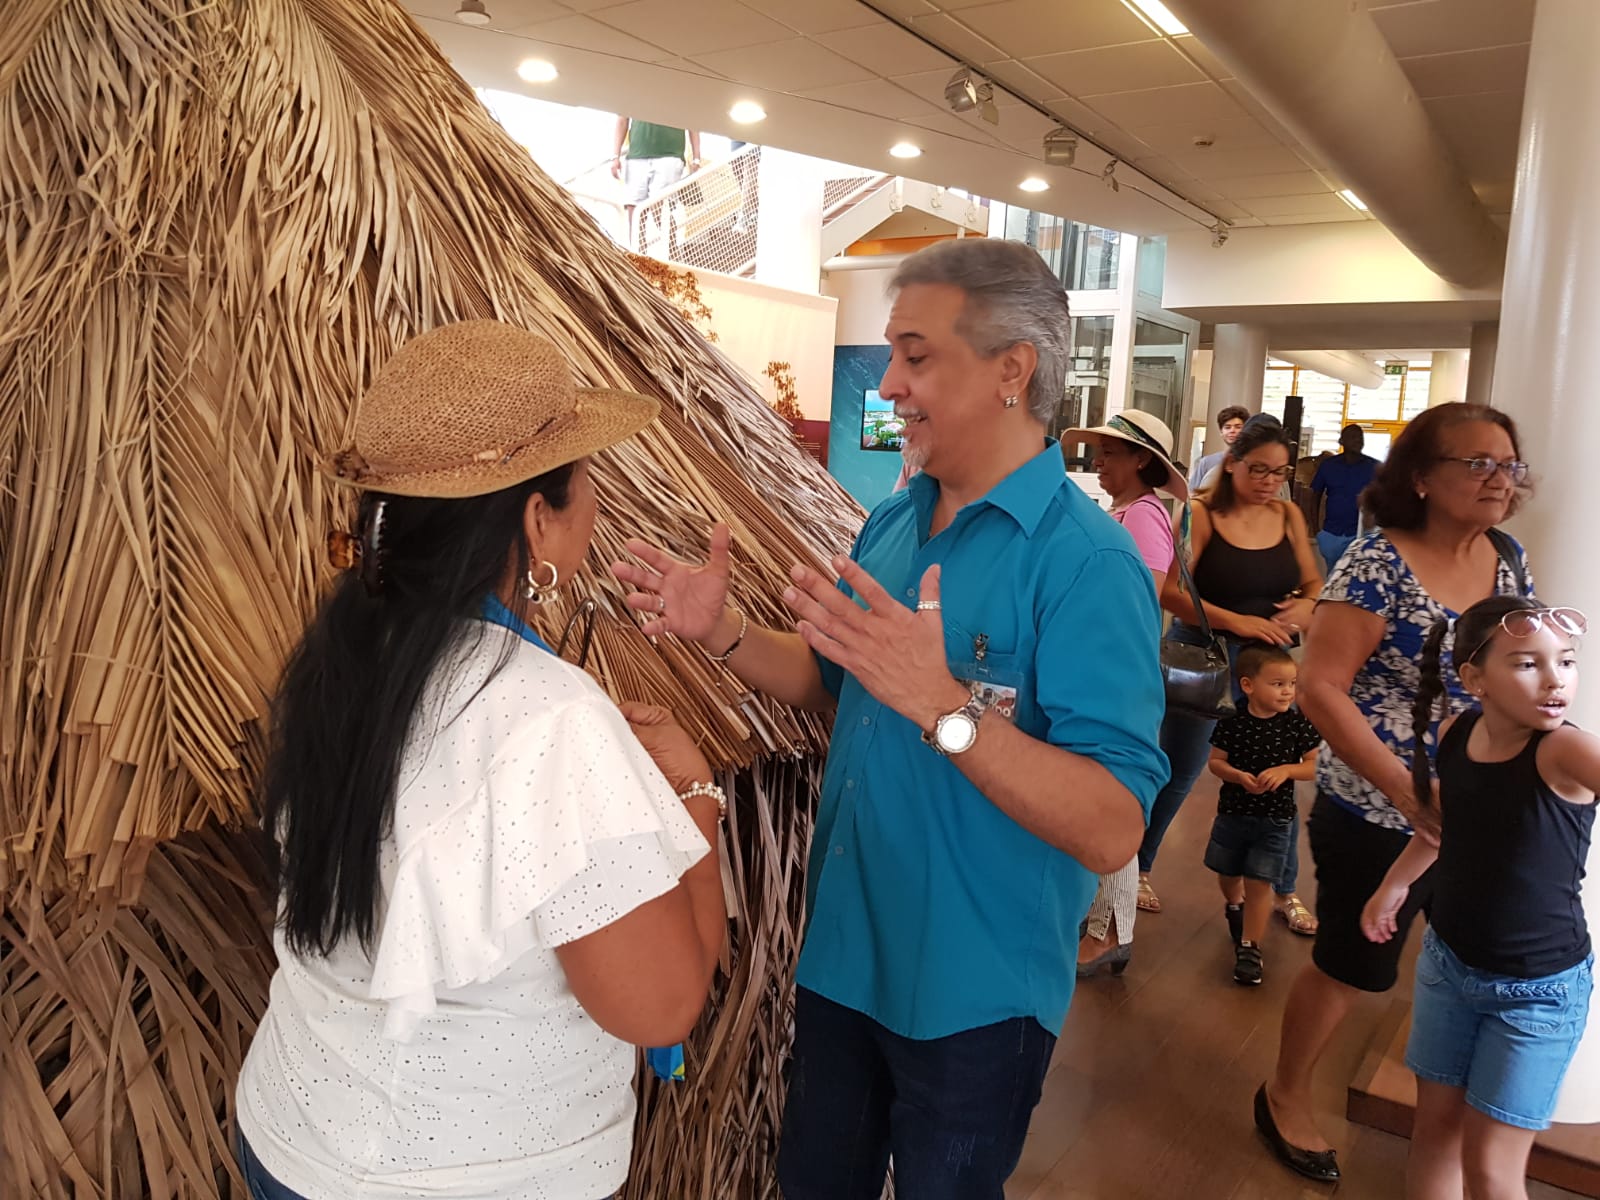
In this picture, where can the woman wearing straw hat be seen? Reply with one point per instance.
(1133, 458)
(483, 858)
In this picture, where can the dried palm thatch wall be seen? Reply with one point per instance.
(217, 220)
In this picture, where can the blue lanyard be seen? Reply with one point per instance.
(496, 613)
(666, 1061)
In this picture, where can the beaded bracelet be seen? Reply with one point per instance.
(712, 791)
(744, 628)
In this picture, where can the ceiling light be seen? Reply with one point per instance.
(906, 150)
(472, 12)
(537, 70)
(1353, 200)
(747, 112)
(1158, 15)
(961, 93)
(987, 109)
(1109, 175)
(1060, 147)
(1219, 233)
(1034, 184)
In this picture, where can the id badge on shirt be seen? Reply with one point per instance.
(990, 682)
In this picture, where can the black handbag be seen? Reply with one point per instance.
(1194, 663)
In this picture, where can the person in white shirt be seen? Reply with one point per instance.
(494, 882)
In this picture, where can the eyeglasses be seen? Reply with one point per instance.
(1262, 471)
(1526, 622)
(1484, 468)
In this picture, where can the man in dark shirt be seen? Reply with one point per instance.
(1339, 482)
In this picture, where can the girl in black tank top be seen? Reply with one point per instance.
(1503, 983)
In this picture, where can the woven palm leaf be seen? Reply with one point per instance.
(218, 221)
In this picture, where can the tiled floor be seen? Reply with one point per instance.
(1149, 1095)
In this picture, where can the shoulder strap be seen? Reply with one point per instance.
(1188, 580)
(1507, 550)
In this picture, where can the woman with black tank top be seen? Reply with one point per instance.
(1257, 575)
(1503, 982)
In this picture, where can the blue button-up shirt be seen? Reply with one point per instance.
(929, 909)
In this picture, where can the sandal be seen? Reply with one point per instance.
(1148, 900)
(1297, 916)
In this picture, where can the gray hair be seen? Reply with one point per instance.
(1012, 297)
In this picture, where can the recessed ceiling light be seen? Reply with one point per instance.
(1034, 184)
(1159, 15)
(747, 112)
(1353, 200)
(906, 150)
(472, 12)
(537, 70)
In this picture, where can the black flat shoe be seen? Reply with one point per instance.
(1321, 1165)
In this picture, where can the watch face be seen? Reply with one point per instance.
(956, 733)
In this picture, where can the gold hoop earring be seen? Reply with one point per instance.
(535, 592)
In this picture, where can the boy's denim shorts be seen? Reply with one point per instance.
(1249, 846)
(1507, 1041)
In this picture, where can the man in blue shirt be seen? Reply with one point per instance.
(1338, 483)
(1231, 422)
(991, 647)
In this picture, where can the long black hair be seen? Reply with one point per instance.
(1475, 629)
(1260, 430)
(353, 685)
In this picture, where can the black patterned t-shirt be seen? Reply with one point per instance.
(1253, 744)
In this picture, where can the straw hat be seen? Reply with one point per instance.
(470, 408)
(1146, 432)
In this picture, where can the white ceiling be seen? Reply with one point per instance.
(854, 76)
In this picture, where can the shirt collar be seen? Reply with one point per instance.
(1023, 495)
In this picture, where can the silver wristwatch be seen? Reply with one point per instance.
(954, 733)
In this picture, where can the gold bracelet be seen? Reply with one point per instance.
(744, 628)
(710, 791)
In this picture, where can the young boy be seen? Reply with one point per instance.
(1258, 754)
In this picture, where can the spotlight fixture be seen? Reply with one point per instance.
(906, 150)
(1219, 233)
(537, 70)
(1034, 184)
(747, 112)
(472, 12)
(1109, 175)
(987, 109)
(1060, 147)
(961, 93)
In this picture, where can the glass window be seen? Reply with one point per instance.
(1416, 397)
(1088, 379)
(1160, 365)
(1278, 383)
(1381, 403)
(1152, 265)
(1091, 257)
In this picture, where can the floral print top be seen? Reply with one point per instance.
(1372, 576)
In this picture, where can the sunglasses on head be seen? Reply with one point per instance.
(1526, 622)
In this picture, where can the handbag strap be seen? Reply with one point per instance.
(1188, 579)
(1507, 550)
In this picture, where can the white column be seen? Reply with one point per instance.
(789, 221)
(1238, 374)
(1447, 382)
(1485, 347)
(1550, 308)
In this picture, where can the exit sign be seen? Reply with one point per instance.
(1394, 368)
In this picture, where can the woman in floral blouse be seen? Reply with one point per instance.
(1450, 478)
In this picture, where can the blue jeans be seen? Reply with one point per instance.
(259, 1184)
(1507, 1041)
(1333, 546)
(1248, 847)
(1186, 741)
(953, 1110)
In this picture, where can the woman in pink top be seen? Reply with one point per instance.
(1133, 458)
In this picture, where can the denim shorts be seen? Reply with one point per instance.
(1249, 846)
(1507, 1041)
